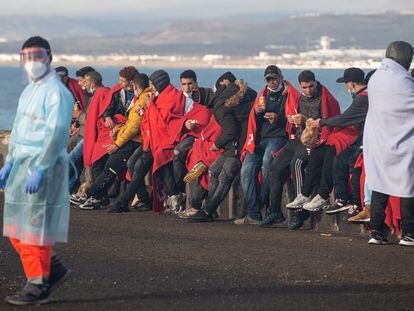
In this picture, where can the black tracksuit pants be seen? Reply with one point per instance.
(379, 202)
(115, 164)
(284, 163)
(319, 170)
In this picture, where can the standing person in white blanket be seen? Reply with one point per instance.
(389, 141)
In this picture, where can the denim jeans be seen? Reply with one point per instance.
(255, 196)
(343, 165)
(222, 173)
(197, 195)
(179, 165)
(139, 164)
(173, 172)
(76, 167)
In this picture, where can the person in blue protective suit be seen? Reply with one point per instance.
(35, 175)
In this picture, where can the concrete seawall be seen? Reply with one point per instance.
(233, 206)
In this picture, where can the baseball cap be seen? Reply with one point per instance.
(352, 75)
(272, 71)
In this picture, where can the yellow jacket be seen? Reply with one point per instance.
(132, 128)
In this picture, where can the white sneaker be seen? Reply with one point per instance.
(246, 220)
(407, 240)
(377, 239)
(77, 199)
(176, 202)
(91, 204)
(187, 213)
(316, 204)
(135, 201)
(298, 202)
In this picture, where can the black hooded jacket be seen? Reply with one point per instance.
(203, 95)
(231, 106)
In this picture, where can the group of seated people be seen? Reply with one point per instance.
(142, 141)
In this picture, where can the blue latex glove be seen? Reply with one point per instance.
(34, 181)
(4, 174)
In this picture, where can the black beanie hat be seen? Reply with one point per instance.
(225, 76)
(83, 71)
(160, 79)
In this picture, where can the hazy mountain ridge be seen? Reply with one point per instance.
(233, 37)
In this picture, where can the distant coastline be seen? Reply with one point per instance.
(12, 60)
(322, 58)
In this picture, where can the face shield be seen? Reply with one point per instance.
(35, 63)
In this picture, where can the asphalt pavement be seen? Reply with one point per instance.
(138, 261)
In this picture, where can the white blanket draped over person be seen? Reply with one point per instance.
(389, 131)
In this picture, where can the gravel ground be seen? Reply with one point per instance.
(138, 261)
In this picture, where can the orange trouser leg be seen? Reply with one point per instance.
(16, 244)
(35, 260)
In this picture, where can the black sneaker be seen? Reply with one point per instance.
(143, 207)
(298, 218)
(105, 201)
(200, 216)
(272, 219)
(32, 294)
(118, 208)
(377, 238)
(407, 240)
(351, 212)
(59, 274)
(338, 206)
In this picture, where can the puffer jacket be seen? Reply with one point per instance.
(229, 105)
(131, 129)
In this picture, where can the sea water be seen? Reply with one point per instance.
(11, 84)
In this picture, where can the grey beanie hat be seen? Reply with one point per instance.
(160, 79)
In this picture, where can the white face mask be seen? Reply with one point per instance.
(352, 92)
(279, 88)
(35, 70)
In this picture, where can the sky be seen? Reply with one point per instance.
(194, 8)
